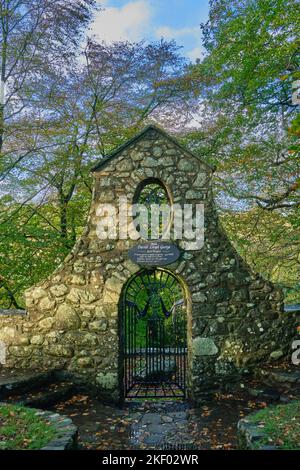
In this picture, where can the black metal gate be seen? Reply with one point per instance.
(154, 336)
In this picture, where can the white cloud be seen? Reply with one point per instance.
(195, 53)
(172, 33)
(133, 22)
(129, 22)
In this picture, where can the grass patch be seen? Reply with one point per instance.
(22, 429)
(280, 425)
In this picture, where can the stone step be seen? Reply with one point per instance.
(284, 382)
(269, 394)
(279, 377)
(17, 382)
(45, 396)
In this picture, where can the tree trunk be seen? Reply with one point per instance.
(4, 27)
(63, 220)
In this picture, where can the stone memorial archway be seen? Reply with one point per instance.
(235, 318)
(153, 326)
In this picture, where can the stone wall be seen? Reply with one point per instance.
(235, 318)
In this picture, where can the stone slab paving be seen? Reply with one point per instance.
(161, 425)
(154, 425)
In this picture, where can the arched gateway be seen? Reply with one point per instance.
(109, 316)
(153, 331)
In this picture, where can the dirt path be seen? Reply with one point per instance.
(161, 425)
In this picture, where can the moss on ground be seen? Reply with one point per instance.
(280, 426)
(23, 429)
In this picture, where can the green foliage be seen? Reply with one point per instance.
(280, 425)
(269, 242)
(253, 53)
(250, 129)
(22, 429)
(79, 106)
(31, 245)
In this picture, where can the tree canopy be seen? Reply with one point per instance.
(67, 99)
(250, 125)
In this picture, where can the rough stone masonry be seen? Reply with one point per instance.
(235, 317)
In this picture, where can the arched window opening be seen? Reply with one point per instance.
(152, 210)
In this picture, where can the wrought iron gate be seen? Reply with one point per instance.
(154, 336)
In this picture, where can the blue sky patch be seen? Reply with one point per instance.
(153, 19)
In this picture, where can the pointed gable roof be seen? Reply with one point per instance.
(108, 158)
